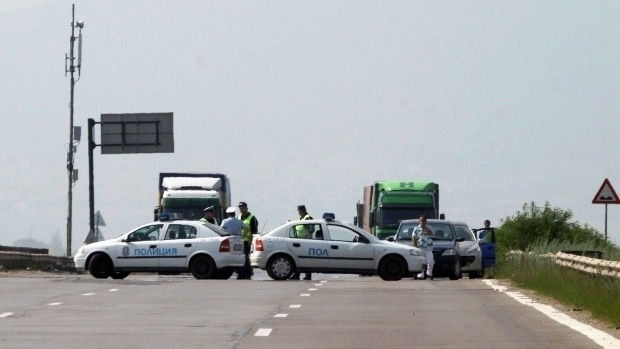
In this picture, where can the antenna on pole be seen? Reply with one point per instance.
(74, 137)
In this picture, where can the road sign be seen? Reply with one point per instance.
(606, 195)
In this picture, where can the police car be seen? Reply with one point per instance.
(331, 246)
(179, 246)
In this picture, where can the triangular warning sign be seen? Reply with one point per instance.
(606, 195)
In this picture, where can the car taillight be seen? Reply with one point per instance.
(225, 246)
(258, 245)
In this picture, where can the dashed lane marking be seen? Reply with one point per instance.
(280, 315)
(305, 295)
(55, 304)
(263, 332)
(88, 294)
(312, 289)
(113, 289)
(5, 315)
(295, 306)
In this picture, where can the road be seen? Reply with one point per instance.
(331, 311)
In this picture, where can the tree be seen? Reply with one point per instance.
(535, 224)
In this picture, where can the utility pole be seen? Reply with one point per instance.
(73, 134)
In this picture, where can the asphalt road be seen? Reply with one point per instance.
(331, 311)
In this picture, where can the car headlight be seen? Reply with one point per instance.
(415, 252)
(448, 252)
(81, 250)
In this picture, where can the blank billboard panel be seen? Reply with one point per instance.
(137, 133)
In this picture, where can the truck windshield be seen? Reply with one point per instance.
(390, 217)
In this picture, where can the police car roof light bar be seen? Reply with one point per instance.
(329, 216)
(166, 216)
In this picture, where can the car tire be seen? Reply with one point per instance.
(100, 266)
(223, 274)
(456, 273)
(392, 268)
(119, 275)
(280, 267)
(203, 267)
(478, 274)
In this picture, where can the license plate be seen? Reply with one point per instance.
(238, 247)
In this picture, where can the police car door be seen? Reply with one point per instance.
(309, 251)
(177, 244)
(138, 250)
(348, 249)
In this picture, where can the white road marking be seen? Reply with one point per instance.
(601, 338)
(280, 315)
(318, 284)
(3, 315)
(263, 332)
(305, 295)
(312, 289)
(295, 306)
(323, 281)
(55, 303)
(113, 289)
(88, 294)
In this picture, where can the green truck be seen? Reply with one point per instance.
(386, 203)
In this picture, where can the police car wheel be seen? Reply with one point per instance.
(203, 267)
(119, 275)
(280, 267)
(392, 268)
(100, 266)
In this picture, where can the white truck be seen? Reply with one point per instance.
(189, 193)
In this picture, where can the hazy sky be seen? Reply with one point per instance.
(306, 102)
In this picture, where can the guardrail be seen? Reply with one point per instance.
(588, 265)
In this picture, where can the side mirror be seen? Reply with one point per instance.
(442, 216)
(371, 219)
(390, 238)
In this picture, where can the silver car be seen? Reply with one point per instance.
(471, 255)
(330, 246)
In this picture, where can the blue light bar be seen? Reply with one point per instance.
(166, 216)
(329, 216)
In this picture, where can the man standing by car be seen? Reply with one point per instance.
(423, 239)
(250, 227)
(482, 233)
(209, 215)
(232, 224)
(302, 232)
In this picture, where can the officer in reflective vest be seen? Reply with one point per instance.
(301, 232)
(250, 227)
(209, 215)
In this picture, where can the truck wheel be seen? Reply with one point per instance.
(100, 266)
(119, 275)
(203, 267)
(392, 268)
(456, 274)
(223, 274)
(280, 267)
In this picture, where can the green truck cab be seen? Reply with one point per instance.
(386, 203)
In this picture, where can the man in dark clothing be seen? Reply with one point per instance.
(250, 227)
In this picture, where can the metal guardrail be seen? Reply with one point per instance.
(588, 265)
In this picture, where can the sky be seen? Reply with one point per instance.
(306, 102)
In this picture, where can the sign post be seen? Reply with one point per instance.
(606, 195)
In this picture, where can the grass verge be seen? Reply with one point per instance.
(535, 271)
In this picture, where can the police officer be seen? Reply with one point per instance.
(209, 215)
(302, 232)
(232, 224)
(250, 227)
